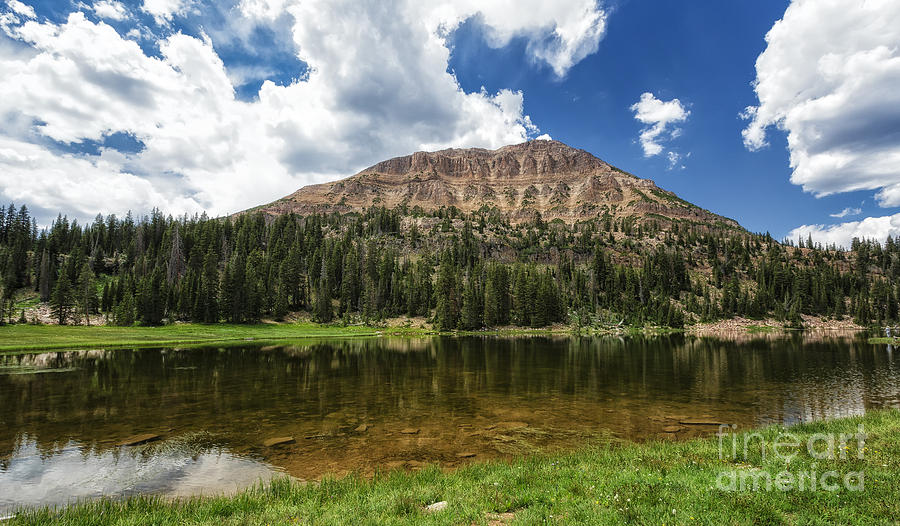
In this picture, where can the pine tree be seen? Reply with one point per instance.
(323, 311)
(7, 281)
(61, 300)
(545, 306)
(349, 282)
(151, 300)
(175, 268)
(496, 296)
(254, 287)
(472, 311)
(209, 287)
(106, 298)
(44, 287)
(447, 295)
(281, 305)
(491, 301)
(523, 304)
(123, 313)
(87, 292)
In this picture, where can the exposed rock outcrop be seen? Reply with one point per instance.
(548, 177)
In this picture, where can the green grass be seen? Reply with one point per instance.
(612, 483)
(17, 338)
(25, 299)
(885, 340)
(33, 338)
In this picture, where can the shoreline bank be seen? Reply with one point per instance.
(24, 338)
(657, 482)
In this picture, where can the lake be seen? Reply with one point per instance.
(361, 405)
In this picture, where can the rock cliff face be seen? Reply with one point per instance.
(549, 177)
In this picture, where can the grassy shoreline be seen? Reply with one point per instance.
(611, 483)
(34, 338)
(19, 338)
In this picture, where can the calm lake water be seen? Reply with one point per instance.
(367, 404)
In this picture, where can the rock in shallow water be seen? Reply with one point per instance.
(277, 441)
(137, 440)
(672, 429)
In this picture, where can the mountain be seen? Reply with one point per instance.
(545, 176)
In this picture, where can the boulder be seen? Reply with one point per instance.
(437, 506)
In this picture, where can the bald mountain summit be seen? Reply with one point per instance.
(536, 177)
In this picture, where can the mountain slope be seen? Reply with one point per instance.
(549, 177)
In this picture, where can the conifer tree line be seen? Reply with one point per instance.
(461, 271)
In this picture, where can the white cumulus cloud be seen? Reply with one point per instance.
(377, 86)
(85, 186)
(877, 228)
(657, 116)
(829, 77)
(164, 11)
(847, 212)
(560, 34)
(110, 9)
(21, 9)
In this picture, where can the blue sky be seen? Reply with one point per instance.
(702, 53)
(198, 105)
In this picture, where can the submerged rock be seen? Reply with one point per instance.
(410, 431)
(672, 429)
(137, 440)
(277, 441)
(362, 428)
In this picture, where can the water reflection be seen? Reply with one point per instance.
(372, 403)
(34, 477)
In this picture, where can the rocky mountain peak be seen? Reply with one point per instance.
(532, 158)
(520, 180)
